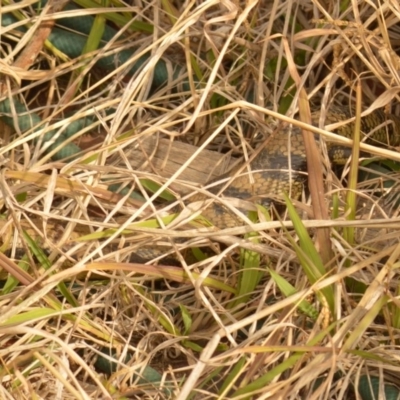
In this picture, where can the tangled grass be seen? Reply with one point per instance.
(285, 307)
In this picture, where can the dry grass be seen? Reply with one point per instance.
(249, 320)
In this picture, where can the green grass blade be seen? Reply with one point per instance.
(287, 289)
(46, 264)
(250, 270)
(11, 282)
(309, 258)
(119, 19)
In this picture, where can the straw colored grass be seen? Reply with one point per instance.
(253, 311)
